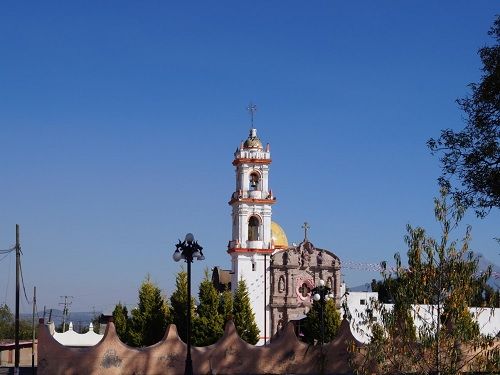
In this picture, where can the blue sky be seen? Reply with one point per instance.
(119, 119)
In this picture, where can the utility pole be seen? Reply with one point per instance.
(66, 303)
(16, 333)
(33, 342)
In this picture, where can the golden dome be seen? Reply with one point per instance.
(278, 236)
(253, 142)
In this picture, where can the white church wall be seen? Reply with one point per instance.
(250, 268)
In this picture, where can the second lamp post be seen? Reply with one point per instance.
(321, 294)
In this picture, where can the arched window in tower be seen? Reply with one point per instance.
(254, 181)
(253, 229)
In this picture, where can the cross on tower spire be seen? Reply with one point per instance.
(306, 227)
(252, 108)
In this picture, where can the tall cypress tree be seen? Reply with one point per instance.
(243, 315)
(312, 328)
(151, 317)
(208, 326)
(178, 300)
(226, 305)
(121, 320)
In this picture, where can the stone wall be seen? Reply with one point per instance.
(7, 353)
(230, 355)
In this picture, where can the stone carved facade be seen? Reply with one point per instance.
(294, 273)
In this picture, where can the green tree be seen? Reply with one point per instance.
(472, 156)
(151, 317)
(226, 305)
(383, 288)
(208, 325)
(444, 275)
(8, 325)
(122, 322)
(312, 325)
(243, 316)
(178, 300)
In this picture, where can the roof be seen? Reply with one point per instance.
(253, 141)
(71, 338)
(221, 279)
(9, 344)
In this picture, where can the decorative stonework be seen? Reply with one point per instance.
(294, 273)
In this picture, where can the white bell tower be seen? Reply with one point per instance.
(251, 244)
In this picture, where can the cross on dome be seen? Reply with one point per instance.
(252, 108)
(306, 227)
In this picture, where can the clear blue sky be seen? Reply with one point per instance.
(119, 119)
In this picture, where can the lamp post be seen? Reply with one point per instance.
(188, 250)
(321, 294)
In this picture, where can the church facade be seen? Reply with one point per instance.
(279, 277)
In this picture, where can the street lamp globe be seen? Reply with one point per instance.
(189, 238)
(177, 255)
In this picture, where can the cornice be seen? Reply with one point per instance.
(249, 250)
(251, 161)
(252, 200)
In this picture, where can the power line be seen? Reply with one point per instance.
(8, 277)
(5, 256)
(378, 267)
(6, 251)
(22, 281)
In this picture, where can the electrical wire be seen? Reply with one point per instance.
(8, 277)
(6, 251)
(22, 281)
(5, 256)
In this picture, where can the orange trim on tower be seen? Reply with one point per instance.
(252, 200)
(249, 250)
(251, 161)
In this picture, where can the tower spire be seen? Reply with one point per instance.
(252, 108)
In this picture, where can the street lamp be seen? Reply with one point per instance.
(188, 250)
(321, 294)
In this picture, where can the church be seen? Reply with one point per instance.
(279, 277)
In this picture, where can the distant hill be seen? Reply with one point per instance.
(78, 318)
(361, 288)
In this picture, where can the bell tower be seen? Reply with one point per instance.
(252, 199)
(251, 243)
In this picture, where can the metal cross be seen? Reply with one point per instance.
(306, 227)
(252, 108)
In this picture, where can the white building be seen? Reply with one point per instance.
(251, 241)
(71, 338)
(358, 304)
